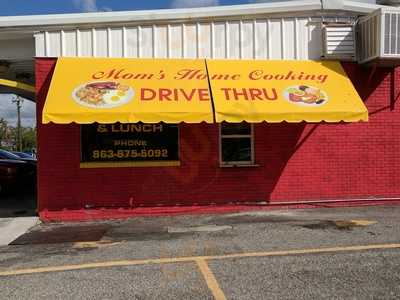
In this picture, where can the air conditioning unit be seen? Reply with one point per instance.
(339, 41)
(379, 37)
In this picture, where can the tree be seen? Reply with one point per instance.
(28, 138)
(3, 129)
(9, 136)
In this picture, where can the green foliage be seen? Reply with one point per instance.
(28, 138)
(3, 128)
(8, 137)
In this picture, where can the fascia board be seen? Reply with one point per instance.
(361, 8)
(187, 14)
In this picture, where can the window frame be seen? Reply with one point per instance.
(237, 163)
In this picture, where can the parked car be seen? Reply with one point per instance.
(24, 156)
(16, 173)
(4, 154)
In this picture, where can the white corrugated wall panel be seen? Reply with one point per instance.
(161, 42)
(315, 38)
(275, 31)
(289, 38)
(276, 38)
(302, 38)
(70, 45)
(190, 41)
(247, 40)
(234, 40)
(53, 41)
(219, 40)
(204, 40)
(40, 44)
(176, 50)
(146, 41)
(86, 40)
(101, 43)
(116, 42)
(261, 34)
(131, 42)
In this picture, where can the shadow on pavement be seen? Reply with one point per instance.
(18, 204)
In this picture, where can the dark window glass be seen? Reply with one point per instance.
(236, 129)
(236, 149)
(129, 142)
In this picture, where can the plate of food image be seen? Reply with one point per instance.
(102, 94)
(305, 95)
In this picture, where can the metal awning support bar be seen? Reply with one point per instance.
(17, 85)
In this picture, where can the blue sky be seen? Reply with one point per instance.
(24, 7)
(28, 7)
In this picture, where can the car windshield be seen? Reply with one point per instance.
(7, 155)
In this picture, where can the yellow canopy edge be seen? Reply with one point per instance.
(276, 91)
(88, 90)
(17, 85)
(25, 90)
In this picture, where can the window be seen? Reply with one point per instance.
(236, 144)
(129, 145)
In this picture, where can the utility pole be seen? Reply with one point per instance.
(18, 101)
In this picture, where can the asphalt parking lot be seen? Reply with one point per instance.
(337, 253)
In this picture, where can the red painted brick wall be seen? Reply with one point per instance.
(297, 161)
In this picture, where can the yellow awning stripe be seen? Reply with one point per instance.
(88, 90)
(291, 91)
(17, 85)
(128, 91)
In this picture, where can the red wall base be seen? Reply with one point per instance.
(297, 162)
(110, 213)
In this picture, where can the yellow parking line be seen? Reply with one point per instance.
(120, 263)
(210, 279)
(107, 264)
(306, 251)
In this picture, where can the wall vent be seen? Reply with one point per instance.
(339, 41)
(379, 36)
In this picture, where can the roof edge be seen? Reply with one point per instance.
(36, 22)
(362, 8)
(159, 15)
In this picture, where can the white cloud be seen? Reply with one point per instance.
(89, 6)
(262, 1)
(193, 3)
(86, 5)
(8, 111)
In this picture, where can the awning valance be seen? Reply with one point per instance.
(88, 90)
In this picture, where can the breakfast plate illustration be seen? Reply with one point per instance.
(104, 94)
(305, 95)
